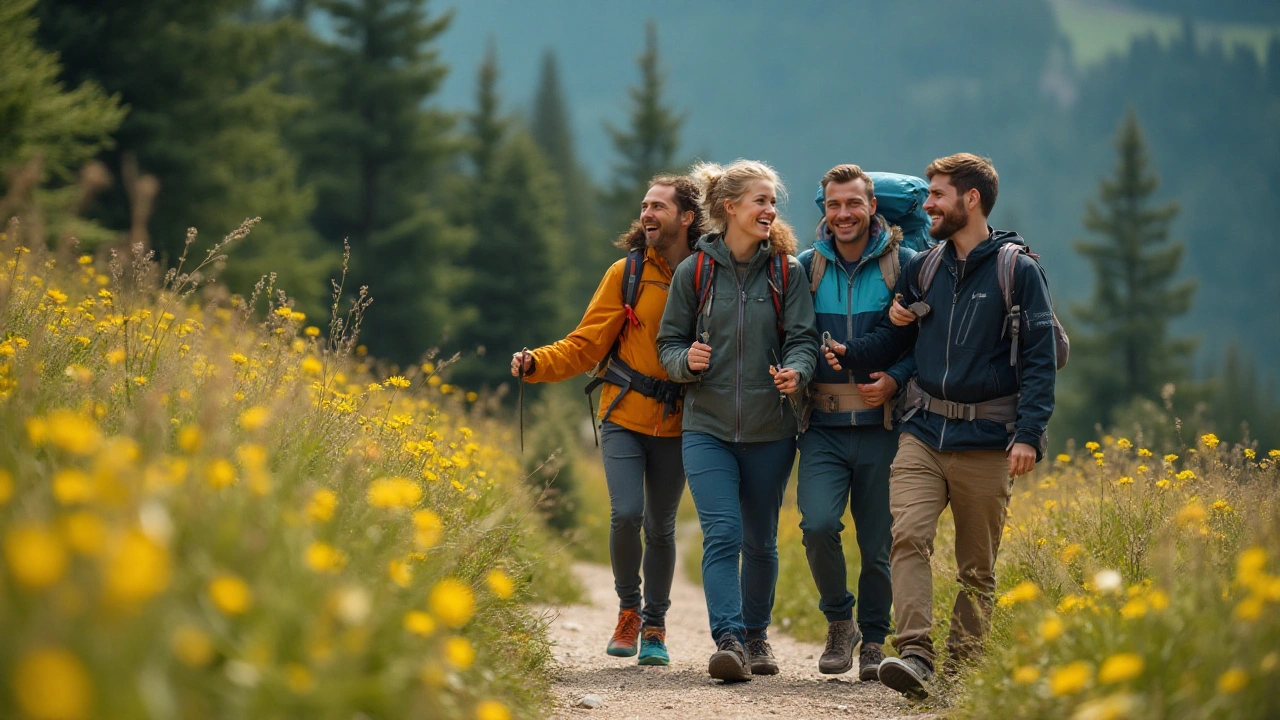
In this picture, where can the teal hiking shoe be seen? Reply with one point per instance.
(625, 635)
(653, 646)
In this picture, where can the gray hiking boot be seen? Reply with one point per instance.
(760, 655)
(729, 662)
(869, 662)
(842, 637)
(907, 674)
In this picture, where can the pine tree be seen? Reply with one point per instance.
(648, 146)
(589, 246)
(515, 274)
(375, 153)
(48, 132)
(205, 121)
(1130, 354)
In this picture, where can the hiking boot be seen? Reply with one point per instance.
(837, 657)
(625, 635)
(869, 662)
(653, 646)
(760, 655)
(907, 674)
(729, 663)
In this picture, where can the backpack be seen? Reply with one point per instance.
(1006, 263)
(900, 199)
(778, 274)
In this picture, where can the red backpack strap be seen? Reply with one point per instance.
(631, 285)
(704, 272)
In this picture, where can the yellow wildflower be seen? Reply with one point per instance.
(1070, 679)
(299, 679)
(192, 646)
(427, 529)
(312, 366)
(189, 439)
(72, 432)
(52, 684)
(452, 602)
(221, 473)
(472, 396)
(35, 555)
(1162, 484)
(1250, 454)
(1024, 591)
(312, 331)
(1126, 480)
(1192, 513)
(1091, 446)
(1064, 458)
(1210, 440)
(72, 486)
(419, 623)
(239, 359)
(1134, 609)
(400, 572)
(1143, 469)
(1221, 506)
(137, 569)
(1070, 553)
(1026, 674)
(1273, 454)
(1124, 444)
(230, 594)
(492, 710)
(322, 504)
(1144, 453)
(1249, 609)
(459, 653)
(499, 584)
(1250, 565)
(1170, 458)
(397, 381)
(253, 418)
(57, 296)
(1232, 681)
(1120, 667)
(1050, 628)
(394, 492)
(325, 558)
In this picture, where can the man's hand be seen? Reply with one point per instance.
(880, 391)
(699, 356)
(899, 315)
(1022, 459)
(831, 351)
(522, 360)
(785, 379)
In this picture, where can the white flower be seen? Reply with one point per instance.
(1107, 581)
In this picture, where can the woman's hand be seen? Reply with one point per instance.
(699, 356)
(785, 379)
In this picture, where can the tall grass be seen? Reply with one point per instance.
(205, 513)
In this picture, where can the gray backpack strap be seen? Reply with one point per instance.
(929, 268)
(890, 266)
(1006, 264)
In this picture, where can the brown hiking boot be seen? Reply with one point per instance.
(760, 655)
(869, 662)
(837, 657)
(729, 663)
(626, 635)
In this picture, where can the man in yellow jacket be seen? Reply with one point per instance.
(639, 408)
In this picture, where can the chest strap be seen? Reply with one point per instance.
(619, 373)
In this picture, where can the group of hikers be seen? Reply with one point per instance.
(908, 381)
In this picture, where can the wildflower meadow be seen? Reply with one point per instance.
(212, 507)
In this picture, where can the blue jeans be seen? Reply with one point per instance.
(737, 489)
(848, 467)
(645, 475)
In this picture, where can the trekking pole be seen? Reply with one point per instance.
(784, 396)
(524, 353)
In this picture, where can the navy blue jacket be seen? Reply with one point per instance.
(962, 347)
(853, 306)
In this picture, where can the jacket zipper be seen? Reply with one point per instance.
(737, 386)
(946, 370)
(848, 318)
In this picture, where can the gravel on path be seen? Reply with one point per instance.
(684, 690)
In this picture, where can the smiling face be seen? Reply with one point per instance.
(849, 210)
(753, 213)
(947, 208)
(661, 217)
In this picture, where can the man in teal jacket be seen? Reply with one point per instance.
(850, 442)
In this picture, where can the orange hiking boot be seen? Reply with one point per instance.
(626, 635)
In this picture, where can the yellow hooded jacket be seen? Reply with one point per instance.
(604, 321)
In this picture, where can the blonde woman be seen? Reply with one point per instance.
(739, 328)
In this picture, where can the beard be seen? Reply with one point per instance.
(950, 224)
(667, 234)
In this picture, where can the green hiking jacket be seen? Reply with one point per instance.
(734, 399)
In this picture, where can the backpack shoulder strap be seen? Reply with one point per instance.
(929, 268)
(704, 271)
(1006, 266)
(779, 276)
(890, 267)
(631, 284)
(816, 268)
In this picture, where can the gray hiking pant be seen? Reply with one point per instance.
(645, 475)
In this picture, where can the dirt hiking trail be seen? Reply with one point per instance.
(684, 690)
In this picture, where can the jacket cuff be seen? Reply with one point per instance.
(1032, 438)
(900, 375)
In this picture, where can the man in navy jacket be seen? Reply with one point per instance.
(976, 419)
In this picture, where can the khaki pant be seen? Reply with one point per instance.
(922, 481)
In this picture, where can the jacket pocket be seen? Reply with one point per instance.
(979, 326)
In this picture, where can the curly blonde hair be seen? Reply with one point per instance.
(721, 184)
